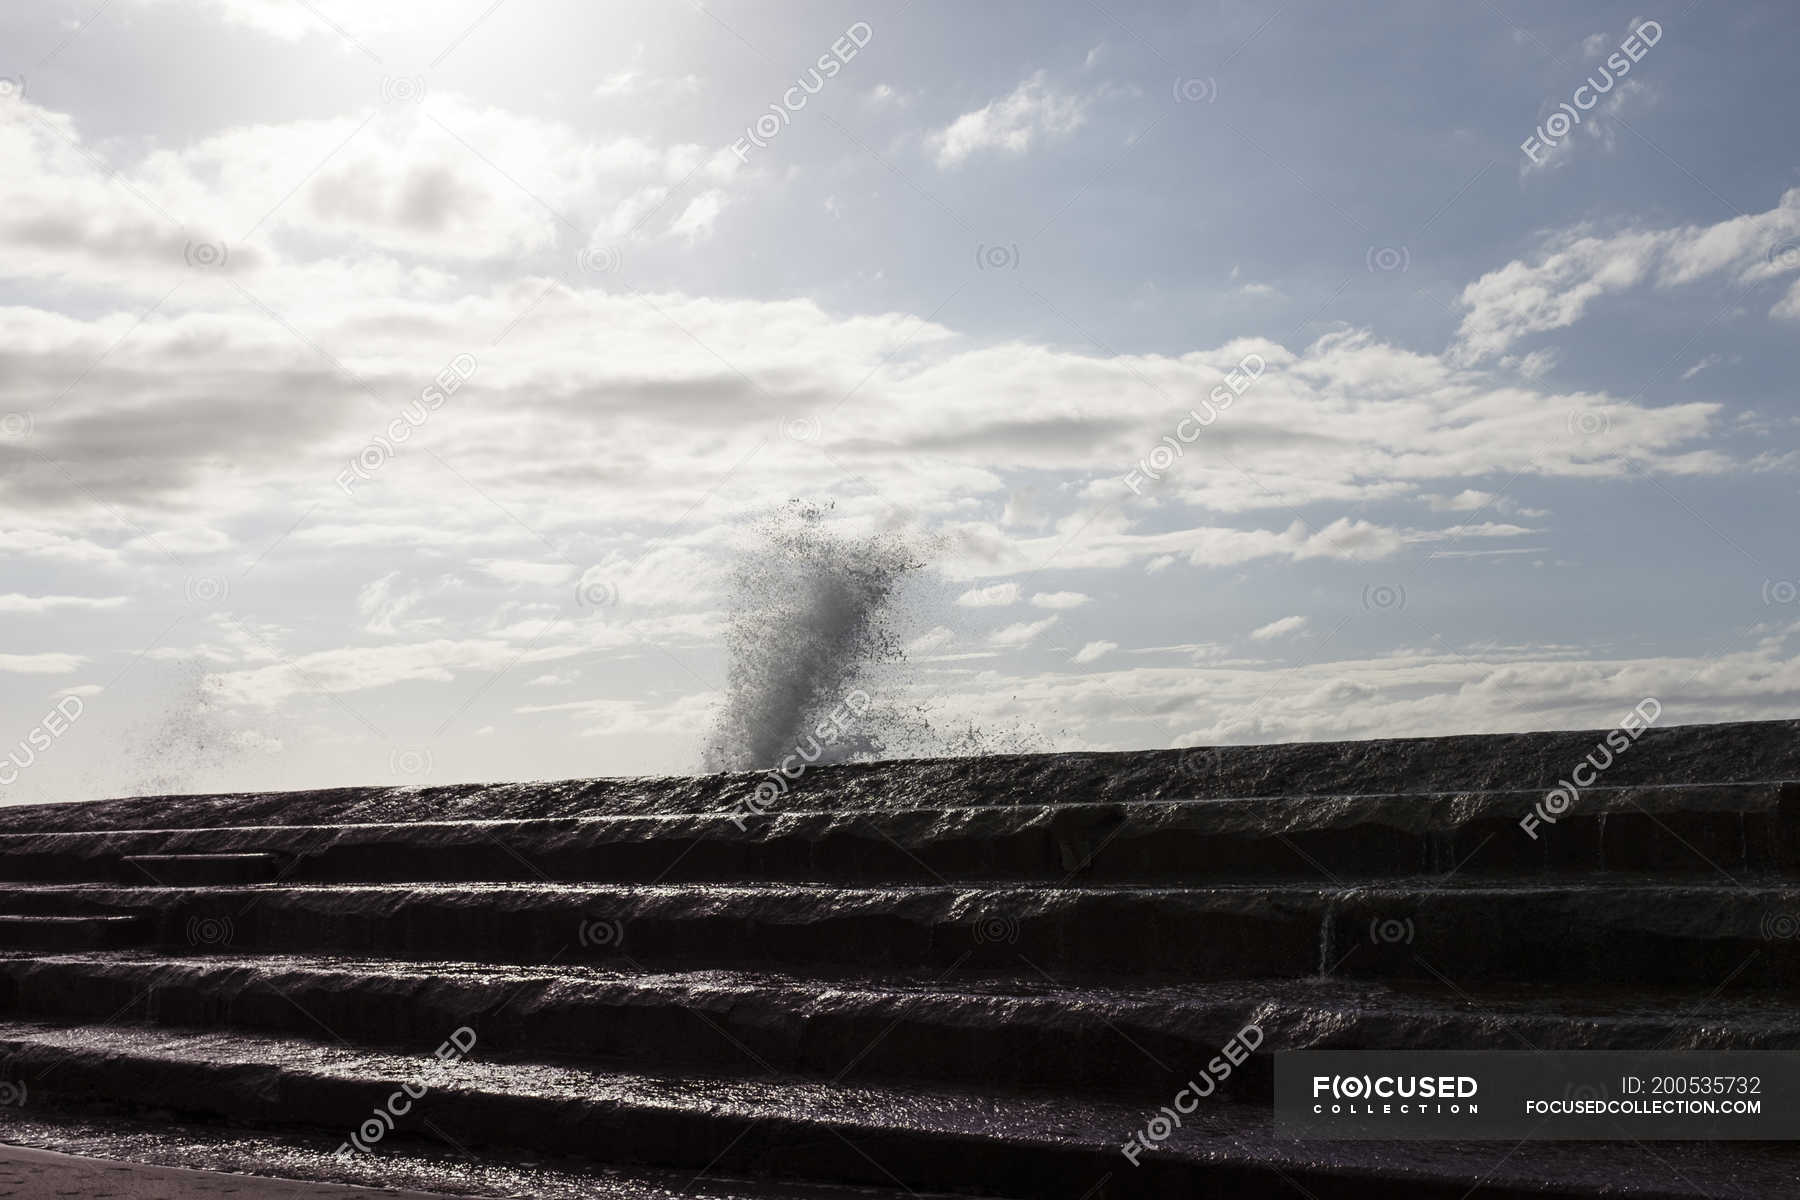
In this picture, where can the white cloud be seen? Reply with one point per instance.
(1710, 360)
(1060, 599)
(933, 639)
(884, 95)
(1093, 651)
(702, 212)
(390, 606)
(443, 180)
(647, 86)
(1278, 628)
(998, 595)
(40, 664)
(15, 603)
(1022, 633)
(1573, 270)
(526, 573)
(1467, 500)
(51, 546)
(1599, 127)
(1034, 111)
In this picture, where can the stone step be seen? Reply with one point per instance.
(1042, 1145)
(87, 931)
(1737, 931)
(1743, 752)
(1019, 1030)
(1682, 828)
(41, 1174)
(176, 869)
(139, 1151)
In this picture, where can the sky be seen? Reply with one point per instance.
(386, 388)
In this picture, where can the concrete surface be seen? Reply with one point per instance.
(27, 1174)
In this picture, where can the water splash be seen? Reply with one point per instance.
(813, 612)
(185, 746)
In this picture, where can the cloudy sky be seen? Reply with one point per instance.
(387, 384)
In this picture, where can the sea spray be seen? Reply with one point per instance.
(813, 611)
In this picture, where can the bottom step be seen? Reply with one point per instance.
(157, 1156)
(31, 1174)
(1039, 1145)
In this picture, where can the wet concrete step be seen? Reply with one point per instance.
(83, 932)
(181, 869)
(1018, 1029)
(1045, 1145)
(1737, 932)
(400, 1168)
(1681, 828)
(28, 1174)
